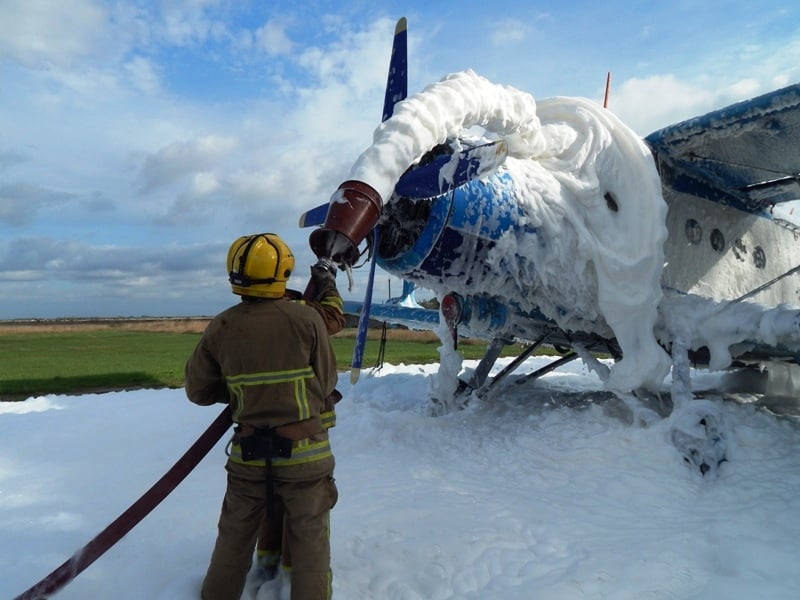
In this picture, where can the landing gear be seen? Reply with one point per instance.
(697, 428)
(698, 433)
(479, 382)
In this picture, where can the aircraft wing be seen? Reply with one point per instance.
(536, 327)
(413, 318)
(746, 155)
(528, 327)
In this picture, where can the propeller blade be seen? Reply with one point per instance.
(396, 90)
(397, 80)
(315, 216)
(363, 318)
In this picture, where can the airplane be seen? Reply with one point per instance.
(730, 254)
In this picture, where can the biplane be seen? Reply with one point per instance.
(730, 254)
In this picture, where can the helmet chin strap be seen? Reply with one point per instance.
(243, 280)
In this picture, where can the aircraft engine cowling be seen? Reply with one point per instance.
(449, 240)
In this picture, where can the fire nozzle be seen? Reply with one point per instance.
(354, 210)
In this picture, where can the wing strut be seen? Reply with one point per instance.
(764, 286)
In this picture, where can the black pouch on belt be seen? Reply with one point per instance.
(266, 444)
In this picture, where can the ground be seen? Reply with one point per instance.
(172, 324)
(167, 324)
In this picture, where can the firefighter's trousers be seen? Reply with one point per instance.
(307, 492)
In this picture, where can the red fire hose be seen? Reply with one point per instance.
(135, 513)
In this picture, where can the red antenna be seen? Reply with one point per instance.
(608, 89)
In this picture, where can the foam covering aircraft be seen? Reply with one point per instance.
(728, 249)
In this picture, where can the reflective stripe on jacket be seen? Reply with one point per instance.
(296, 378)
(328, 419)
(304, 451)
(330, 307)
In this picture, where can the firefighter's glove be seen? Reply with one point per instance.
(323, 275)
(330, 400)
(326, 264)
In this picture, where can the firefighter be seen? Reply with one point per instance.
(272, 360)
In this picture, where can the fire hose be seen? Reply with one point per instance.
(104, 540)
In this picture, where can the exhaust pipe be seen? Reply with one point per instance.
(354, 210)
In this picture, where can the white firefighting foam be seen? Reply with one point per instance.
(587, 183)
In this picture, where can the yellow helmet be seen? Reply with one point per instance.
(260, 265)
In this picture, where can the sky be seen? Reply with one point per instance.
(139, 139)
(545, 490)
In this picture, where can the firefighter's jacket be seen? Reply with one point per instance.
(329, 306)
(270, 358)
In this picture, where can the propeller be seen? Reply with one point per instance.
(396, 90)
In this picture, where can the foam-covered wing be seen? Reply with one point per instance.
(413, 318)
(746, 155)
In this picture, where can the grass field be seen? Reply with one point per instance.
(102, 355)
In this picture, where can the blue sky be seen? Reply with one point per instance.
(139, 139)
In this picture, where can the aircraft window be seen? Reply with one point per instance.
(759, 257)
(717, 240)
(739, 249)
(611, 202)
(694, 233)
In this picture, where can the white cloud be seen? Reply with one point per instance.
(9, 158)
(20, 202)
(52, 258)
(143, 75)
(41, 33)
(358, 59)
(648, 103)
(188, 22)
(205, 183)
(272, 38)
(506, 32)
(184, 158)
(86, 86)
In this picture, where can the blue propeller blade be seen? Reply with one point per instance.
(363, 318)
(315, 216)
(396, 90)
(397, 80)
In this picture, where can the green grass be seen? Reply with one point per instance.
(92, 361)
(36, 363)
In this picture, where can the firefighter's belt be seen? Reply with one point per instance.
(273, 442)
(266, 444)
(299, 430)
